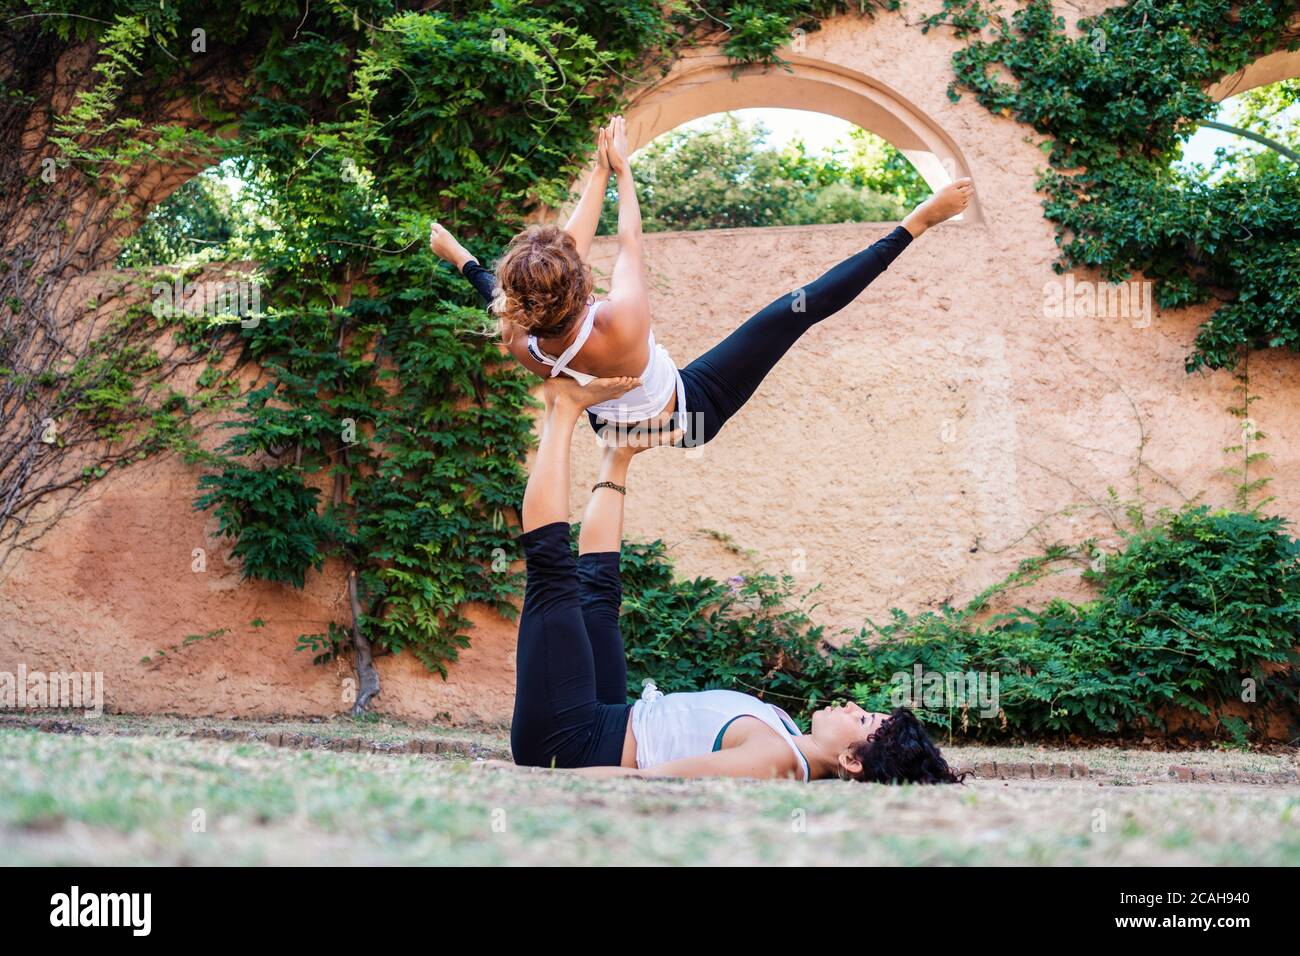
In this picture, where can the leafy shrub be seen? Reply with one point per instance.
(1188, 610)
(272, 516)
(748, 634)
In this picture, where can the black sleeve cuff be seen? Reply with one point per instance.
(484, 282)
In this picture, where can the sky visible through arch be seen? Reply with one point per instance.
(820, 131)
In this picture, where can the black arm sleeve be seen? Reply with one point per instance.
(482, 280)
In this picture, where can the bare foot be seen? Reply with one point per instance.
(633, 439)
(946, 203)
(564, 391)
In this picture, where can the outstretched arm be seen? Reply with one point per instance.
(757, 759)
(483, 281)
(444, 244)
(446, 247)
(586, 216)
(628, 309)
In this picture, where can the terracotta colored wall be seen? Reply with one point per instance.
(912, 448)
(906, 453)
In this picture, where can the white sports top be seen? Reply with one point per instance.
(674, 726)
(658, 382)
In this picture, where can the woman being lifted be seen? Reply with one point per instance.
(552, 323)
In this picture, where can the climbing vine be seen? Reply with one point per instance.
(91, 377)
(371, 423)
(1114, 102)
(366, 421)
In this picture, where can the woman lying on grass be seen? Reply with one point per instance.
(571, 707)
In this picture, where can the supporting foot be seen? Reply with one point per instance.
(626, 441)
(562, 392)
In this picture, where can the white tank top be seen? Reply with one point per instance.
(675, 726)
(658, 382)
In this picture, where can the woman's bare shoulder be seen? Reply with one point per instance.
(517, 345)
(758, 738)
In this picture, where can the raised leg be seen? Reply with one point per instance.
(721, 380)
(599, 544)
(558, 718)
(546, 497)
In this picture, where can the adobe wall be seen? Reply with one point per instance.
(908, 452)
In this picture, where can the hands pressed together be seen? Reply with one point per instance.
(611, 147)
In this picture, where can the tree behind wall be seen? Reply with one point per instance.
(725, 175)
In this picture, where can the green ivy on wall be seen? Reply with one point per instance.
(383, 431)
(1114, 102)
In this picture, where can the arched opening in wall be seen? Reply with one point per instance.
(768, 167)
(209, 218)
(1250, 134)
(708, 84)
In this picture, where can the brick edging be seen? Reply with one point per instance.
(292, 741)
(1177, 773)
(442, 746)
(1002, 770)
(1183, 774)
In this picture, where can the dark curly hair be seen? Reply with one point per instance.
(543, 284)
(900, 751)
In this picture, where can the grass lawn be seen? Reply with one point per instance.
(135, 791)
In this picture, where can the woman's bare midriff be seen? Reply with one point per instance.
(542, 372)
(554, 347)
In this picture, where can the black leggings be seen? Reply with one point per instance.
(571, 704)
(720, 381)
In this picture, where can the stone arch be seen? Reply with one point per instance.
(710, 83)
(1278, 66)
